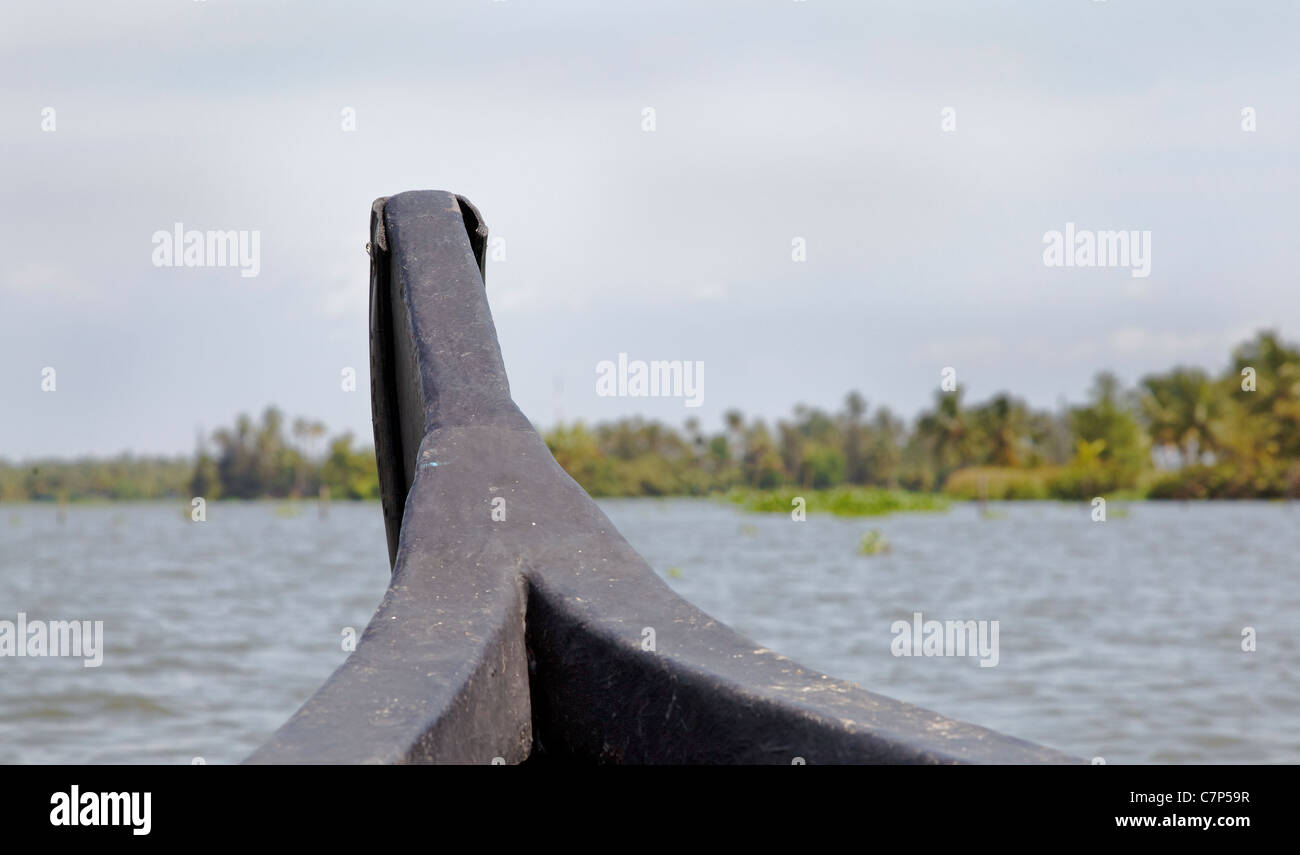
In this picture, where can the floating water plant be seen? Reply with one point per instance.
(874, 543)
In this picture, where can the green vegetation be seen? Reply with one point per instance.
(840, 501)
(1000, 483)
(874, 543)
(119, 478)
(256, 461)
(246, 461)
(1180, 434)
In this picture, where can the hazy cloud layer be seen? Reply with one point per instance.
(773, 121)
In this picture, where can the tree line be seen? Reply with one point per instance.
(1183, 433)
(269, 458)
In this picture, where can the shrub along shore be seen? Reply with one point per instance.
(1181, 434)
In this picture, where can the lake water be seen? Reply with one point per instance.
(1120, 640)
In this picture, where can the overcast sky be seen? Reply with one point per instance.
(773, 120)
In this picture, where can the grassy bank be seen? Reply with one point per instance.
(840, 501)
(1061, 483)
(1068, 483)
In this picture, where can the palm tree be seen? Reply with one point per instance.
(1276, 400)
(886, 450)
(791, 444)
(1003, 429)
(1111, 418)
(1182, 409)
(855, 407)
(945, 433)
(735, 433)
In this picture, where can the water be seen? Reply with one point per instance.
(215, 632)
(1120, 640)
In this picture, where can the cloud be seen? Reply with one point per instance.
(817, 120)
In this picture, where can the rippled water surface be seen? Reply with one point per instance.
(1119, 639)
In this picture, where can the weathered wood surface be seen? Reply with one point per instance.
(522, 639)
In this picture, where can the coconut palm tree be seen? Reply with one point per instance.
(1183, 410)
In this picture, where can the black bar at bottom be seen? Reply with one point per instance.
(219, 804)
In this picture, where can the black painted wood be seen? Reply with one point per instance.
(523, 638)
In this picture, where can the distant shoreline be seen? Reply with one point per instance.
(1179, 434)
(836, 501)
